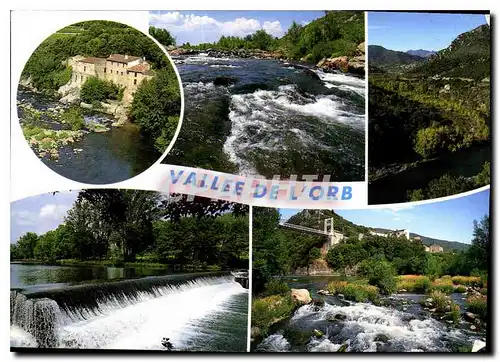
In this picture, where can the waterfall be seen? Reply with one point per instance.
(132, 314)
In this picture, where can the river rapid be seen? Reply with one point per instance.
(266, 117)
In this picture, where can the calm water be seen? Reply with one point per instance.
(394, 188)
(253, 116)
(107, 157)
(37, 277)
(401, 327)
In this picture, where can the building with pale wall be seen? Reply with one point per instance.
(123, 70)
(434, 248)
(396, 233)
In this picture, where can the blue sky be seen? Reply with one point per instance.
(447, 220)
(405, 31)
(40, 213)
(208, 26)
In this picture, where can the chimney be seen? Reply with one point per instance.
(126, 56)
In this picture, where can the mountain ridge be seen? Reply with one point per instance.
(421, 52)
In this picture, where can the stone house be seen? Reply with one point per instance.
(123, 70)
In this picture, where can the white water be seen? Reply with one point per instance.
(142, 323)
(343, 82)
(268, 114)
(364, 322)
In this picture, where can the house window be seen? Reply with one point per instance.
(135, 81)
(84, 69)
(135, 74)
(122, 73)
(104, 70)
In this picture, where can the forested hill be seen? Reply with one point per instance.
(468, 56)
(384, 58)
(447, 245)
(314, 219)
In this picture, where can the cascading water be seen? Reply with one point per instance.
(363, 327)
(273, 118)
(135, 314)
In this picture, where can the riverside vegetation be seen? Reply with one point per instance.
(430, 120)
(141, 228)
(45, 119)
(450, 287)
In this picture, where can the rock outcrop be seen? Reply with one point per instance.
(70, 93)
(317, 267)
(301, 295)
(354, 64)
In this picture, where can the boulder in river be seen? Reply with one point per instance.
(470, 317)
(323, 292)
(301, 295)
(224, 81)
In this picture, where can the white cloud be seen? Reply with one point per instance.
(273, 27)
(53, 211)
(24, 217)
(177, 23)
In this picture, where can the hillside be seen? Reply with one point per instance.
(448, 246)
(468, 56)
(391, 59)
(421, 53)
(311, 218)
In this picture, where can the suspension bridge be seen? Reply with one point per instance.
(323, 225)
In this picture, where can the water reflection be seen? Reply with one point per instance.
(32, 275)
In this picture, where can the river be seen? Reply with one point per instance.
(401, 327)
(394, 187)
(97, 158)
(266, 117)
(119, 308)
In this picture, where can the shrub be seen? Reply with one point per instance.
(459, 289)
(380, 273)
(73, 117)
(275, 286)
(442, 285)
(95, 89)
(354, 291)
(472, 281)
(483, 291)
(413, 283)
(439, 300)
(478, 305)
(269, 310)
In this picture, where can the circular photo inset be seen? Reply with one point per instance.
(99, 102)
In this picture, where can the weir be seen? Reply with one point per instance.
(43, 313)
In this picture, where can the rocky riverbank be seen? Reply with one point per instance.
(354, 317)
(48, 125)
(354, 64)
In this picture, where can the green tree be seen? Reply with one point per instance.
(162, 35)
(98, 90)
(156, 107)
(381, 274)
(346, 255)
(26, 245)
(480, 249)
(269, 250)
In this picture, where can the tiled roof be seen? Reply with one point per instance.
(120, 58)
(93, 60)
(139, 68)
